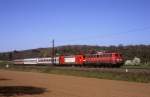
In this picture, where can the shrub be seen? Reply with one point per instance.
(128, 62)
(136, 61)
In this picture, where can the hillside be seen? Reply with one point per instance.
(129, 52)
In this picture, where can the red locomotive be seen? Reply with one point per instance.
(104, 59)
(107, 59)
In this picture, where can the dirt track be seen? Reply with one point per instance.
(69, 86)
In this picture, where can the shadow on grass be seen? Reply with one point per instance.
(9, 91)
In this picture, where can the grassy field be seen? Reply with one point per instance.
(103, 75)
(3, 63)
(141, 66)
(133, 77)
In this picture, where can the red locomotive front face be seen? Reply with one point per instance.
(117, 58)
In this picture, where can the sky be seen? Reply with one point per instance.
(28, 24)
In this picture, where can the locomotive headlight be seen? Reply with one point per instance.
(118, 60)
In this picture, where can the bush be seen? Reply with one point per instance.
(128, 62)
(135, 61)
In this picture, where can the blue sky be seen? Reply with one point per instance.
(26, 24)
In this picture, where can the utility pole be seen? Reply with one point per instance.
(53, 52)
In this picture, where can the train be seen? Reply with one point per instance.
(107, 59)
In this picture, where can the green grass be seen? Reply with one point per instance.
(141, 66)
(3, 63)
(145, 78)
(133, 77)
